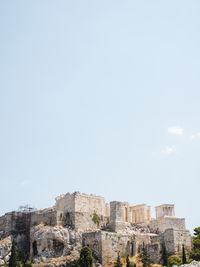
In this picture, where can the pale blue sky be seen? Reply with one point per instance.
(101, 97)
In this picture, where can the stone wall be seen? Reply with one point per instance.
(45, 216)
(89, 203)
(182, 237)
(83, 221)
(112, 244)
(64, 203)
(93, 241)
(116, 216)
(162, 224)
(80, 203)
(155, 252)
(174, 239)
(107, 245)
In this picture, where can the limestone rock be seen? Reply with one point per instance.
(54, 242)
(5, 248)
(192, 264)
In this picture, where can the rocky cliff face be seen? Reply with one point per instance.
(5, 250)
(50, 242)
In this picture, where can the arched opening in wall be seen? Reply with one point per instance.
(58, 248)
(34, 247)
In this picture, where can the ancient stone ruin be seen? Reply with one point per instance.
(79, 220)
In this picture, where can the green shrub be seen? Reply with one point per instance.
(28, 264)
(189, 261)
(144, 256)
(195, 253)
(13, 261)
(174, 260)
(96, 219)
(86, 257)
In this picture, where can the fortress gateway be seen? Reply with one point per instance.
(78, 219)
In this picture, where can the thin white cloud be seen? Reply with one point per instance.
(169, 150)
(196, 136)
(175, 130)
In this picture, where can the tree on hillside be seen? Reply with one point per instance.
(195, 252)
(174, 260)
(144, 256)
(118, 262)
(86, 257)
(13, 257)
(164, 255)
(184, 260)
(127, 261)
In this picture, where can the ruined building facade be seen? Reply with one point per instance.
(107, 228)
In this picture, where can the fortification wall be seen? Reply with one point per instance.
(84, 221)
(80, 203)
(174, 239)
(64, 203)
(182, 237)
(107, 245)
(116, 216)
(45, 216)
(93, 241)
(162, 224)
(112, 243)
(154, 252)
(89, 203)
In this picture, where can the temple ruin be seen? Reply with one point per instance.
(107, 228)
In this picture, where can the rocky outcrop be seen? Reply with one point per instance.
(51, 242)
(192, 264)
(5, 250)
